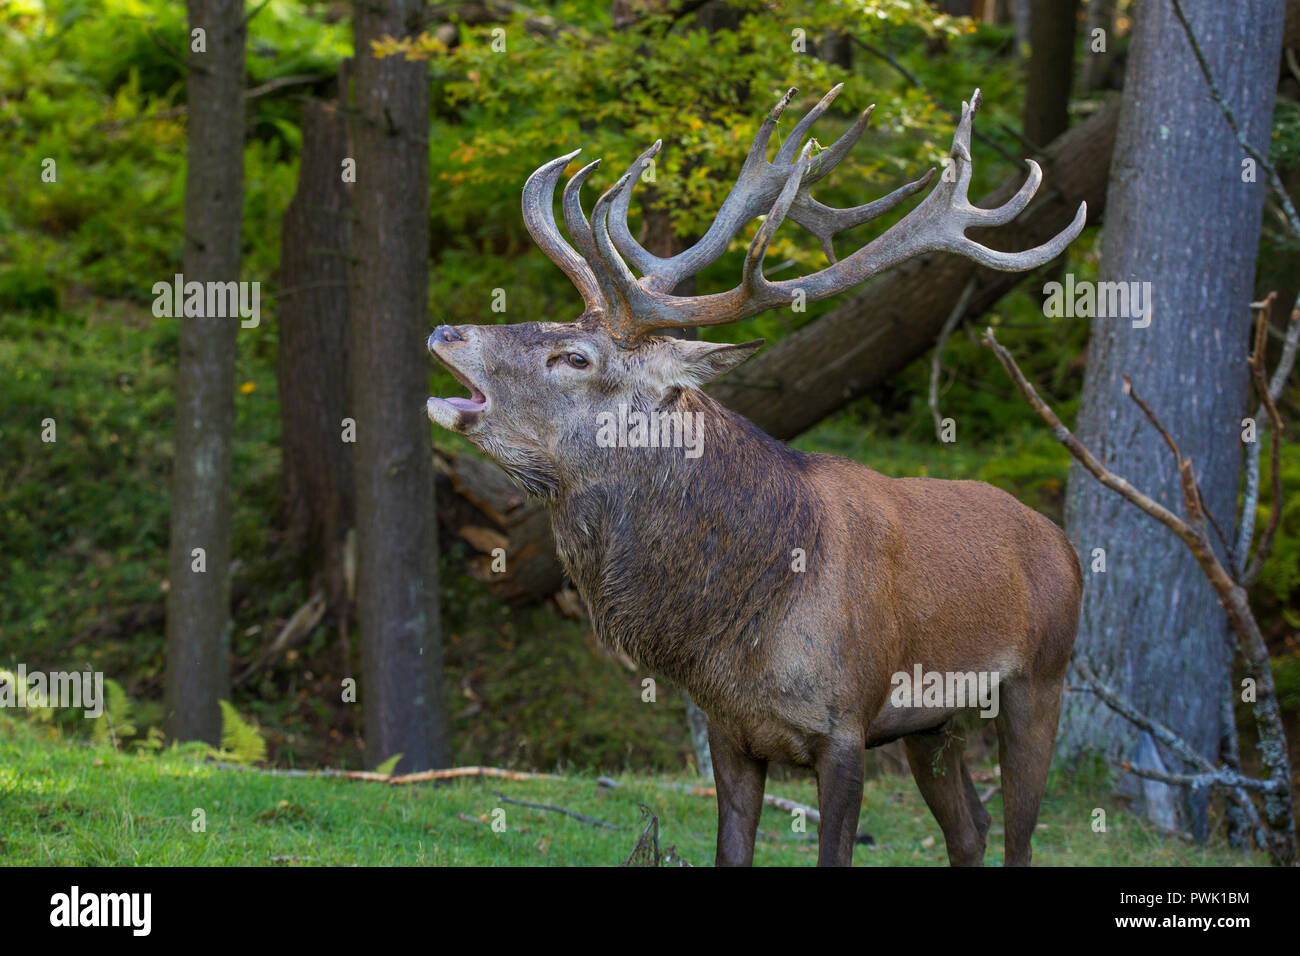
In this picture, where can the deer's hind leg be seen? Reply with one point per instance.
(935, 757)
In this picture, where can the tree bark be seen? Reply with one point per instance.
(1051, 69)
(880, 330)
(397, 568)
(1020, 19)
(198, 598)
(318, 492)
(1183, 220)
(1097, 63)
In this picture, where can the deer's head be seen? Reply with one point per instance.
(537, 387)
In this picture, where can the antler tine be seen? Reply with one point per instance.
(642, 258)
(752, 276)
(639, 306)
(631, 308)
(755, 188)
(539, 218)
(937, 224)
(574, 220)
(790, 147)
(825, 221)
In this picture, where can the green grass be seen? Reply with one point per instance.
(67, 803)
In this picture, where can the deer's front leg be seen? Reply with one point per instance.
(840, 769)
(740, 780)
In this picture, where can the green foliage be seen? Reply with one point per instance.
(386, 768)
(1284, 151)
(23, 290)
(704, 94)
(1279, 579)
(115, 724)
(1286, 677)
(240, 741)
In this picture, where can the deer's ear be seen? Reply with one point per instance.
(696, 363)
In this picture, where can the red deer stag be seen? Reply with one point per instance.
(793, 595)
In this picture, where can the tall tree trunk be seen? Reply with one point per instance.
(318, 495)
(1050, 72)
(198, 599)
(1020, 18)
(1096, 63)
(397, 568)
(1182, 219)
(1051, 69)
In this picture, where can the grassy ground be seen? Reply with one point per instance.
(67, 803)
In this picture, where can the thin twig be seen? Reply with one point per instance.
(1250, 496)
(1201, 507)
(915, 83)
(1231, 779)
(181, 61)
(546, 806)
(1275, 453)
(250, 94)
(936, 364)
(1217, 778)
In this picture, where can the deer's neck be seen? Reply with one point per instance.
(685, 561)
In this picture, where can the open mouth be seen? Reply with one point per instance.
(459, 406)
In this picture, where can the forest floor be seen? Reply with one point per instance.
(65, 802)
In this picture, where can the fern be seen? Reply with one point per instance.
(114, 724)
(240, 741)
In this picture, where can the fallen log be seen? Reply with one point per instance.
(507, 533)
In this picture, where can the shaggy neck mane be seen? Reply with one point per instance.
(682, 561)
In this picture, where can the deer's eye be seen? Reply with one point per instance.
(577, 360)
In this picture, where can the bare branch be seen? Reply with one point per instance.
(253, 93)
(546, 806)
(1250, 495)
(1265, 392)
(1219, 776)
(1279, 809)
(936, 364)
(1086, 458)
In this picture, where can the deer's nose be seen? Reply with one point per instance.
(444, 334)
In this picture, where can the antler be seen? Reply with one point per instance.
(630, 307)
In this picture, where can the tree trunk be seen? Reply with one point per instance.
(1096, 63)
(880, 330)
(1183, 220)
(1050, 73)
(319, 497)
(1051, 69)
(198, 598)
(397, 568)
(1020, 18)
